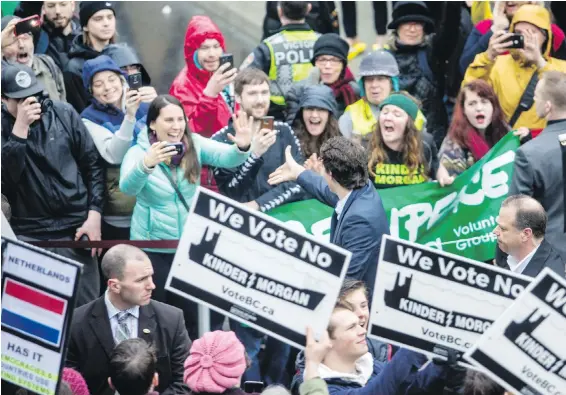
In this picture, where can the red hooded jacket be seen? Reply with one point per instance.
(206, 115)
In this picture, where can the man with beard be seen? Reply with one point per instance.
(61, 28)
(248, 184)
(513, 74)
(20, 50)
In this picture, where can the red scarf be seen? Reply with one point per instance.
(342, 89)
(477, 144)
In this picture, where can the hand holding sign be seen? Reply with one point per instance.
(288, 171)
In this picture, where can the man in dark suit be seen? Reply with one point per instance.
(126, 311)
(359, 220)
(520, 232)
(538, 163)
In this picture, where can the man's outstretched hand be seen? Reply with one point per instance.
(288, 171)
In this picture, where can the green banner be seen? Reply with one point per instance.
(458, 218)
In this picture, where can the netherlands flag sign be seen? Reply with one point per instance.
(33, 312)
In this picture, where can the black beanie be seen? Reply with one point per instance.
(88, 8)
(331, 44)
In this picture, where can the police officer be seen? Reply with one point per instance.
(286, 55)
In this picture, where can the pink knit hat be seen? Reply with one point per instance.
(75, 381)
(217, 362)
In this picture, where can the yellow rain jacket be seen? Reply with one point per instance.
(509, 77)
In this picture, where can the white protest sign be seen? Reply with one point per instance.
(38, 298)
(427, 300)
(525, 349)
(256, 270)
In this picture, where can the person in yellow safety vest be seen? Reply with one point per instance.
(285, 56)
(378, 79)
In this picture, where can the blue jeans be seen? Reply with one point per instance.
(275, 360)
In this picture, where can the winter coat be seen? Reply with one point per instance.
(77, 95)
(159, 214)
(52, 178)
(497, 72)
(249, 181)
(400, 376)
(322, 18)
(59, 45)
(206, 114)
(478, 42)
(113, 135)
(422, 69)
(50, 76)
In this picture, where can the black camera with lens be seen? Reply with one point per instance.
(44, 100)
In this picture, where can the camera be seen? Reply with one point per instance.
(44, 100)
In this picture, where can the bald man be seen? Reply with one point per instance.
(520, 230)
(126, 311)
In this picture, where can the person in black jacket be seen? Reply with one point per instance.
(51, 172)
(98, 21)
(422, 54)
(248, 183)
(61, 27)
(322, 18)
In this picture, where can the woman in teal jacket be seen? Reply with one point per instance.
(149, 169)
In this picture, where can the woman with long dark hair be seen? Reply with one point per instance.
(477, 125)
(163, 172)
(316, 119)
(399, 154)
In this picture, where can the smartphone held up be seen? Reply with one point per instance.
(29, 25)
(135, 81)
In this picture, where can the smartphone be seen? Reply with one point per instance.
(267, 123)
(31, 24)
(227, 58)
(179, 147)
(135, 81)
(253, 386)
(517, 40)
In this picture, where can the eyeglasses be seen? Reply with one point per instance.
(322, 61)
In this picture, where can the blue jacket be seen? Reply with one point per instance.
(159, 214)
(400, 376)
(361, 225)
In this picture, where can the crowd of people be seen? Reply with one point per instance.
(92, 151)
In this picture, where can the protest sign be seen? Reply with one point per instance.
(428, 300)
(252, 268)
(525, 349)
(457, 218)
(38, 298)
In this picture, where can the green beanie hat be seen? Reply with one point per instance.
(403, 102)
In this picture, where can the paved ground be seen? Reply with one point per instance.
(157, 30)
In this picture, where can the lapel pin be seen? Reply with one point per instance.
(146, 331)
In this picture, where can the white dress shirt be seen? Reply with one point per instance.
(519, 267)
(131, 321)
(340, 205)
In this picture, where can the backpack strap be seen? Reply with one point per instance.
(527, 100)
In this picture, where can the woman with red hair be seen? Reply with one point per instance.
(477, 125)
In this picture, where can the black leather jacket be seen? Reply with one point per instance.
(52, 178)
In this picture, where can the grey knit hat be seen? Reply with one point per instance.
(379, 63)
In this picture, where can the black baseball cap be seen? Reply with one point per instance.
(19, 81)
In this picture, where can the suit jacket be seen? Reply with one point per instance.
(545, 256)
(91, 344)
(538, 173)
(361, 225)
